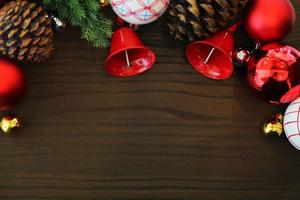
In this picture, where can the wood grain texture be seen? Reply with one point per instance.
(168, 134)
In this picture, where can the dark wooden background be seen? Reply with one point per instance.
(168, 134)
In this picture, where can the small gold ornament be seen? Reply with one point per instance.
(274, 126)
(104, 3)
(9, 123)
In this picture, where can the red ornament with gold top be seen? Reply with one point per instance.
(274, 73)
(12, 84)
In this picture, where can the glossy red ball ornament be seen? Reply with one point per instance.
(12, 84)
(268, 21)
(274, 73)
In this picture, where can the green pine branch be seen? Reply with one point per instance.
(85, 14)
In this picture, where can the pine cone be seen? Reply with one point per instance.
(191, 20)
(25, 32)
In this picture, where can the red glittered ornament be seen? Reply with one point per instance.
(274, 73)
(12, 84)
(268, 21)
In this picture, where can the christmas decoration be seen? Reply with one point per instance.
(240, 56)
(128, 56)
(139, 11)
(291, 123)
(267, 21)
(274, 126)
(191, 20)
(274, 71)
(104, 3)
(86, 15)
(12, 84)
(58, 24)
(26, 33)
(9, 123)
(212, 57)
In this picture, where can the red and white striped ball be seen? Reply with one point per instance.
(291, 123)
(139, 11)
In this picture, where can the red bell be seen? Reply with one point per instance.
(128, 56)
(212, 57)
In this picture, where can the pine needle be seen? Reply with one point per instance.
(85, 14)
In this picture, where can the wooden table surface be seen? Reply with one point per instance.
(168, 134)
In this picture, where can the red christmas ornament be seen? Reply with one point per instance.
(267, 21)
(12, 84)
(274, 73)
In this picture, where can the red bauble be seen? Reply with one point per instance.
(12, 84)
(274, 73)
(267, 21)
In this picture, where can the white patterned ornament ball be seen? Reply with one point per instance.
(139, 11)
(291, 123)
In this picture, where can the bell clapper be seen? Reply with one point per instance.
(209, 56)
(127, 59)
(126, 52)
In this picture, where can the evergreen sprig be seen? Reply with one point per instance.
(85, 14)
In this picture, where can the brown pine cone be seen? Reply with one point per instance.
(25, 32)
(190, 20)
